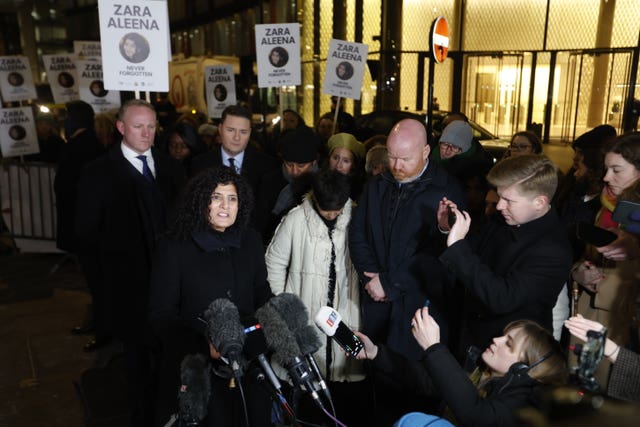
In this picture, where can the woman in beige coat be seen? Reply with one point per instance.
(308, 256)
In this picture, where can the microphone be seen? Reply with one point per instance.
(193, 397)
(294, 312)
(255, 347)
(309, 343)
(330, 322)
(286, 350)
(226, 332)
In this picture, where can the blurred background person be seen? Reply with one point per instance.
(579, 197)
(377, 160)
(182, 143)
(49, 141)
(208, 134)
(524, 142)
(106, 130)
(283, 188)
(82, 147)
(346, 156)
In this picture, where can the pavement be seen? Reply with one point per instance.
(42, 296)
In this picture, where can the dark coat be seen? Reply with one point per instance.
(74, 156)
(187, 276)
(272, 184)
(509, 273)
(254, 165)
(439, 374)
(394, 233)
(119, 218)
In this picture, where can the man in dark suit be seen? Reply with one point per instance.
(124, 200)
(235, 131)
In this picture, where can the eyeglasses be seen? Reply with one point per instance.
(520, 147)
(450, 147)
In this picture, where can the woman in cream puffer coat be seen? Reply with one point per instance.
(299, 261)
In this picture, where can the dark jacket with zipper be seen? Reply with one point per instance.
(394, 232)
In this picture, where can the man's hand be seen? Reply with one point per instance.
(460, 228)
(374, 287)
(625, 247)
(425, 329)
(443, 213)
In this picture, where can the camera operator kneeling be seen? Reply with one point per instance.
(511, 368)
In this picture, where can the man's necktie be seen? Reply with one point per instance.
(146, 172)
(232, 164)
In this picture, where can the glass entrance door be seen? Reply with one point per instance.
(497, 91)
(591, 90)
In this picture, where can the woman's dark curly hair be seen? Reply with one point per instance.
(193, 211)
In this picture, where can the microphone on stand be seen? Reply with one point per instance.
(195, 391)
(295, 314)
(225, 331)
(286, 350)
(255, 347)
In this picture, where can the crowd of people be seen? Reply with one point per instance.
(465, 278)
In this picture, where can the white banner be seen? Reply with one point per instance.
(134, 38)
(61, 73)
(18, 132)
(221, 88)
(278, 54)
(91, 87)
(16, 81)
(345, 69)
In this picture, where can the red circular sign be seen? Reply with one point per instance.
(440, 39)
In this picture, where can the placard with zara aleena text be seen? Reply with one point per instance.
(16, 80)
(220, 88)
(134, 36)
(91, 87)
(345, 69)
(278, 54)
(61, 74)
(87, 49)
(18, 135)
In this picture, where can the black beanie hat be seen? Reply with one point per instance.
(299, 145)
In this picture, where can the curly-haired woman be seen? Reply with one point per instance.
(209, 253)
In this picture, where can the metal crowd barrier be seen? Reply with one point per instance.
(28, 199)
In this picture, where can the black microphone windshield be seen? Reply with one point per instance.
(308, 339)
(279, 337)
(195, 391)
(224, 327)
(292, 310)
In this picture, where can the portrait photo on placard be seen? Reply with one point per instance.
(134, 48)
(278, 57)
(344, 70)
(97, 88)
(15, 79)
(17, 132)
(220, 93)
(65, 79)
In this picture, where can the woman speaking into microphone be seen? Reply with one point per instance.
(208, 253)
